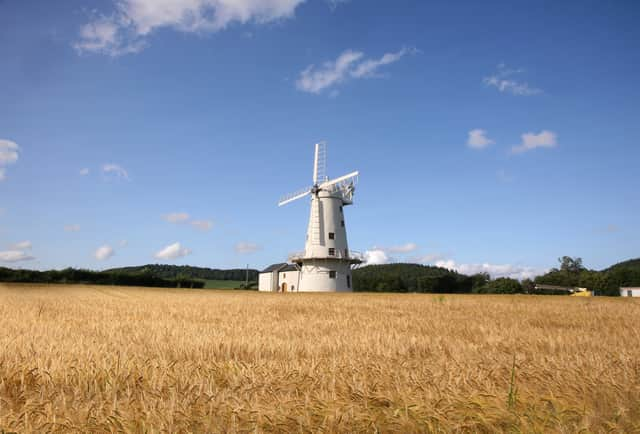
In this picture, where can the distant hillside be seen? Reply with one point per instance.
(631, 264)
(409, 278)
(188, 272)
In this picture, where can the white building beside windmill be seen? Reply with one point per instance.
(325, 264)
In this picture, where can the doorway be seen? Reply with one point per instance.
(284, 286)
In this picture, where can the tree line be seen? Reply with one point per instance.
(166, 271)
(107, 277)
(423, 278)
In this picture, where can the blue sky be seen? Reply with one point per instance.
(489, 135)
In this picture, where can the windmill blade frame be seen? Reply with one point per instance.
(295, 196)
(342, 180)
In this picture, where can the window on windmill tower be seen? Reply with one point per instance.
(332, 274)
(332, 236)
(332, 251)
(340, 208)
(342, 223)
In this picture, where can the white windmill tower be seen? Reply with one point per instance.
(325, 264)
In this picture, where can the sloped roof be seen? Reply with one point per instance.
(289, 267)
(274, 267)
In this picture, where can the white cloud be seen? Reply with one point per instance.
(333, 4)
(126, 29)
(8, 155)
(545, 139)
(72, 228)
(22, 245)
(84, 171)
(202, 225)
(14, 256)
(172, 251)
(314, 80)
(494, 270)
(375, 257)
(115, 170)
(8, 152)
(503, 80)
(478, 139)
(104, 253)
(176, 217)
(245, 247)
(184, 218)
(349, 64)
(405, 248)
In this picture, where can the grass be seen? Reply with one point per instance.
(223, 284)
(94, 359)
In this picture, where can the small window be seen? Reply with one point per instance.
(332, 236)
(332, 251)
(332, 274)
(346, 253)
(348, 281)
(341, 208)
(342, 223)
(284, 275)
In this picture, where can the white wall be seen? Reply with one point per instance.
(265, 282)
(315, 276)
(290, 278)
(635, 292)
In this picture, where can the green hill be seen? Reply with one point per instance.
(631, 265)
(409, 278)
(188, 272)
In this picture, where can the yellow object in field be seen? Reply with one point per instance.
(584, 293)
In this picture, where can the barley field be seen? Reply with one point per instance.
(107, 359)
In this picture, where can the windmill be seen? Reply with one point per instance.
(325, 264)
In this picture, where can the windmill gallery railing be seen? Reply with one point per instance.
(353, 255)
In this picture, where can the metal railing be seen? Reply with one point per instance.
(339, 254)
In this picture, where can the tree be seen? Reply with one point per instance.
(479, 280)
(502, 285)
(571, 265)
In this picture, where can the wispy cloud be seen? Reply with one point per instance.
(530, 141)
(128, 28)
(246, 247)
(349, 65)
(495, 270)
(84, 171)
(123, 243)
(202, 225)
(404, 248)
(115, 170)
(8, 155)
(176, 217)
(172, 251)
(427, 258)
(185, 218)
(504, 79)
(103, 253)
(15, 256)
(478, 139)
(72, 228)
(22, 245)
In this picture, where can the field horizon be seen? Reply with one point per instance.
(101, 358)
